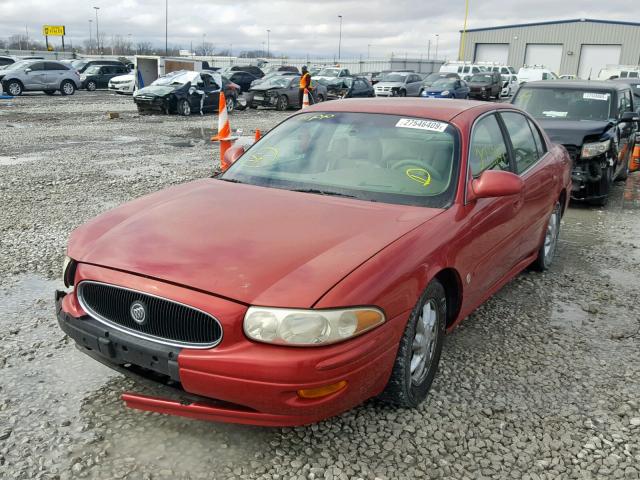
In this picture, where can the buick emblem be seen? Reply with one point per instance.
(138, 312)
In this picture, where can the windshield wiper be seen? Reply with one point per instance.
(324, 192)
(230, 180)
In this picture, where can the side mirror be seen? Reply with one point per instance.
(629, 117)
(495, 183)
(230, 157)
(27, 70)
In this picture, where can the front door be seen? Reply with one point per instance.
(36, 78)
(626, 132)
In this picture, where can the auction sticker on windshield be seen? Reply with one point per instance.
(595, 96)
(429, 125)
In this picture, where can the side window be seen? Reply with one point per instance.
(487, 150)
(524, 145)
(38, 66)
(537, 137)
(545, 76)
(624, 102)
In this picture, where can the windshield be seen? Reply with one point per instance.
(375, 157)
(567, 104)
(394, 77)
(92, 69)
(433, 77)
(329, 72)
(444, 83)
(279, 82)
(19, 64)
(481, 79)
(177, 78)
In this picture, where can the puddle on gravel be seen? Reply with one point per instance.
(6, 160)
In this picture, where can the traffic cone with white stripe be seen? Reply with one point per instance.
(305, 99)
(224, 129)
(634, 164)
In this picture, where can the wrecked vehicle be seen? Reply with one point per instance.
(184, 91)
(350, 87)
(282, 93)
(323, 267)
(399, 84)
(329, 75)
(596, 123)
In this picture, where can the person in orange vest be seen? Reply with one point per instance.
(305, 82)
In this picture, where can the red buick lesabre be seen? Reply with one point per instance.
(324, 266)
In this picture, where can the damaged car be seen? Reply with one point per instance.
(596, 123)
(183, 92)
(350, 87)
(282, 93)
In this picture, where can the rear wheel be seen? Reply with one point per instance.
(604, 186)
(91, 86)
(231, 104)
(419, 350)
(184, 108)
(548, 248)
(67, 88)
(14, 88)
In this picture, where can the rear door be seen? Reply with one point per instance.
(626, 131)
(360, 88)
(413, 85)
(212, 92)
(55, 73)
(533, 165)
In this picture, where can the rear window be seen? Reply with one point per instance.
(563, 103)
(375, 157)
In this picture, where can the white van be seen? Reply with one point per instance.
(619, 71)
(464, 69)
(534, 73)
(498, 67)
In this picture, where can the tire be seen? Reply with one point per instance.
(402, 93)
(91, 86)
(283, 103)
(550, 243)
(321, 98)
(411, 378)
(67, 87)
(50, 92)
(604, 188)
(184, 108)
(253, 106)
(231, 104)
(624, 174)
(15, 88)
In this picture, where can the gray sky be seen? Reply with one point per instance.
(400, 26)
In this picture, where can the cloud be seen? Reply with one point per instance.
(376, 26)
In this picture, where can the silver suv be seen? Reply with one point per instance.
(39, 75)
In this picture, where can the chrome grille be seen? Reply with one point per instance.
(165, 321)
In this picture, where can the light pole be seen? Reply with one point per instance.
(130, 44)
(204, 52)
(97, 29)
(464, 31)
(90, 35)
(340, 39)
(429, 50)
(268, 43)
(166, 27)
(437, 42)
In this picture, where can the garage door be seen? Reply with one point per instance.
(492, 52)
(549, 55)
(594, 58)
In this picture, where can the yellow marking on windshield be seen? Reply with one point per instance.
(419, 175)
(261, 157)
(320, 116)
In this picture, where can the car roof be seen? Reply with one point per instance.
(434, 109)
(573, 84)
(628, 81)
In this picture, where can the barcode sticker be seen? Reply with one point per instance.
(430, 125)
(596, 96)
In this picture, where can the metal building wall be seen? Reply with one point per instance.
(571, 35)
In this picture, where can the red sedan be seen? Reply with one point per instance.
(324, 266)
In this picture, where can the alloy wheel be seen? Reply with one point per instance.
(424, 342)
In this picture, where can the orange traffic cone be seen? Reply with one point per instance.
(305, 99)
(634, 165)
(224, 130)
(258, 135)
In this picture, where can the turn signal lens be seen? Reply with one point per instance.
(309, 327)
(322, 391)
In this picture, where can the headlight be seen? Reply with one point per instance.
(83, 77)
(484, 89)
(445, 93)
(590, 150)
(285, 326)
(68, 271)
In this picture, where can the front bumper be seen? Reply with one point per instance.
(480, 94)
(238, 381)
(261, 100)
(122, 88)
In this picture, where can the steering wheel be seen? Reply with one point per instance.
(403, 164)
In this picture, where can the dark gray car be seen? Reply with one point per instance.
(39, 75)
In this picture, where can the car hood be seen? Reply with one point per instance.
(439, 90)
(255, 245)
(263, 88)
(389, 84)
(478, 85)
(572, 132)
(122, 78)
(159, 90)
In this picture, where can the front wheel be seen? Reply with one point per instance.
(231, 104)
(67, 88)
(14, 88)
(548, 248)
(184, 108)
(419, 350)
(282, 104)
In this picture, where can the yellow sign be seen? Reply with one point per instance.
(53, 30)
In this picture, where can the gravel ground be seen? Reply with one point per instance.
(542, 382)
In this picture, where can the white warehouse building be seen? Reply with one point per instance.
(579, 47)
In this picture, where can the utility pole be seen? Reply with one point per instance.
(340, 39)
(97, 29)
(464, 31)
(204, 52)
(166, 27)
(437, 42)
(26, 29)
(268, 43)
(429, 50)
